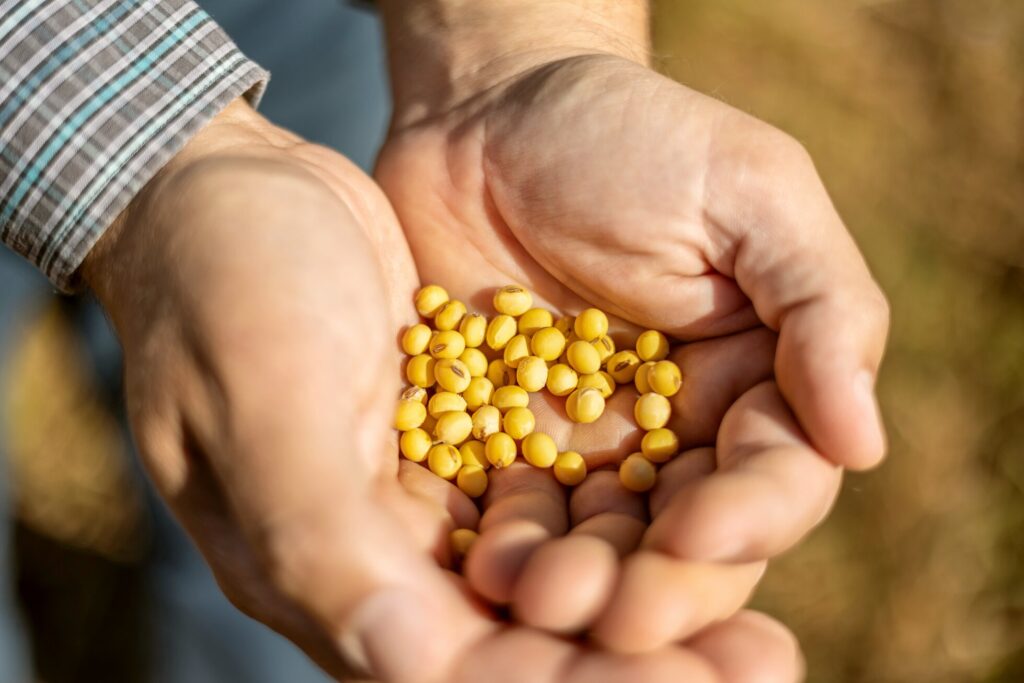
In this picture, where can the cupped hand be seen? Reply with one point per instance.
(257, 286)
(595, 181)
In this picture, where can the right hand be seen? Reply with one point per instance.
(257, 285)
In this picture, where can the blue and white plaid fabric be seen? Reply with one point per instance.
(95, 97)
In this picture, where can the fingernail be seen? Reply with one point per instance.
(864, 388)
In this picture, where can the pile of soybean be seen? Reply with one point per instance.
(468, 407)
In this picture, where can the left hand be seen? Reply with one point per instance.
(594, 181)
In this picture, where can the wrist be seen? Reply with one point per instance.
(443, 53)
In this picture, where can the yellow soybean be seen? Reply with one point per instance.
(486, 421)
(447, 344)
(462, 540)
(651, 345)
(659, 445)
(570, 468)
(478, 393)
(601, 381)
(409, 414)
(497, 372)
(472, 480)
(565, 325)
(512, 300)
(473, 329)
(640, 378)
(444, 402)
(415, 394)
(500, 449)
(622, 366)
(453, 427)
(605, 347)
(449, 315)
(499, 331)
(518, 348)
(547, 343)
(591, 324)
(539, 450)
(509, 397)
(584, 405)
(652, 411)
(452, 375)
(420, 371)
(665, 378)
(415, 444)
(637, 473)
(535, 320)
(532, 373)
(415, 339)
(472, 453)
(429, 299)
(562, 380)
(518, 422)
(444, 460)
(583, 357)
(475, 360)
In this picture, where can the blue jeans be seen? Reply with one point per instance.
(328, 84)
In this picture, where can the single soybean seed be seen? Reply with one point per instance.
(601, 381)
(453, 427)
(473, 329)
(497, 372)
(476, 361)
(565, 325)
(452, 375)
(447, 344)
(415, 394)
(512, 300)
(414, 444)
(665, 378)
(444, 460)
(509, 397)
(472, 479)
(640, 378)
(583, 357)
(562, 380)
(409, 414)
(500, 449)
(534, 320)
(532, 373)
(499, 331)
(462, 540)
(651, 345)
(486, 421)
(605, 347)
(622, 366)
(539, 449)
(547, 343)
(659, 445)
(420, 371)
(449, 315)
(416, 338)
(652, 411)
(429, 299)
(518, 422)
(591, 324)
(472, 453)
(518, 348)
(478, 393)
(444, 402)
(584, 405)
(570, 468)
(637, 473)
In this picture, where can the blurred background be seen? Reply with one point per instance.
(914, 112)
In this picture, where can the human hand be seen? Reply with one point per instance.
(256, 286)
(591, 179)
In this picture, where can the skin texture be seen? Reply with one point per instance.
(256, 286)
(592, 180)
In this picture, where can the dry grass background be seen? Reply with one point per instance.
(914, 111)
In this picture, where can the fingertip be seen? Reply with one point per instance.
(498, 556)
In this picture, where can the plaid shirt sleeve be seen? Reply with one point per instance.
(95, 97)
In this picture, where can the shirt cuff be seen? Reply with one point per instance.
(103, 95)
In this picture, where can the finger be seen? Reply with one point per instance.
(770, 488)
(751, 648)
(567, 580)
(807, 279)
(661, 599)
(524, 506)
(520, 654)
(715, 373)
(684, 469)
